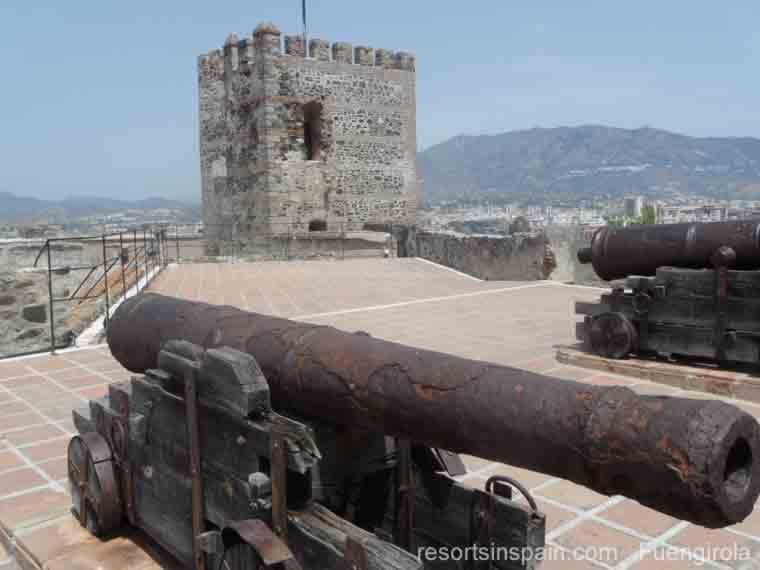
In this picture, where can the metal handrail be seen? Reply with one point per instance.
(151, 250)
(99, 279)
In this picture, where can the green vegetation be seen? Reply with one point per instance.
(648, 217)
(617, 221)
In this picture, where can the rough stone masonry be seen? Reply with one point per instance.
(296, 141)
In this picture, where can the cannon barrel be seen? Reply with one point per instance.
(639, 250)
(693, 459)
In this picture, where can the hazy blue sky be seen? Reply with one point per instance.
(100, 97)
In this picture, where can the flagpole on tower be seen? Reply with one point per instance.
(305, 26)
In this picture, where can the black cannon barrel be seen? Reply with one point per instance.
(639, 250)
(693, 459)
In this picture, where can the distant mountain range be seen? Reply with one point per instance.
(563, 162)
(19, 208)
(591, 160)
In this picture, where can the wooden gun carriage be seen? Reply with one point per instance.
(679, 289)
(699, 313)
(251, 441)
(193, 454)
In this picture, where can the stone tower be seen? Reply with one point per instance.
(290, 141)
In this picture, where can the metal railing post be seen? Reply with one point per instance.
(123, 276)
(154, 249)
(153, 260)
(105, 280)
(137, 262)
(157, 239)
(176, 239)
(289, 242)
(342, 241)
(145, 252)
(165, 246)
(50, 298)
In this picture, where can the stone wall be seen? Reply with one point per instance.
(23, 312)
(293, 246)
(258, 106)
(24, 305)
(328, 245)
(517, 257)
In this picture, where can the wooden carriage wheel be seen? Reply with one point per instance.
(612, 335)
(92, 482)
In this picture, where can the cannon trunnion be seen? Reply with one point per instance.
(193, 453)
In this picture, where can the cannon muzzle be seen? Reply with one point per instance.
(693, 459)
(639, 250)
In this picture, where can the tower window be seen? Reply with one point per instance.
(312, 130)
(318, 225)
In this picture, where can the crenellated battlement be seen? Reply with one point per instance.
(268, 38)
(346, 53)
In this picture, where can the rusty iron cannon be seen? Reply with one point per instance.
(693, 459)
(198, 452)
(690, 290)
(617, 253)
(336, 400)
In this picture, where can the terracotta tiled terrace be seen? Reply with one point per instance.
(404, 300)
